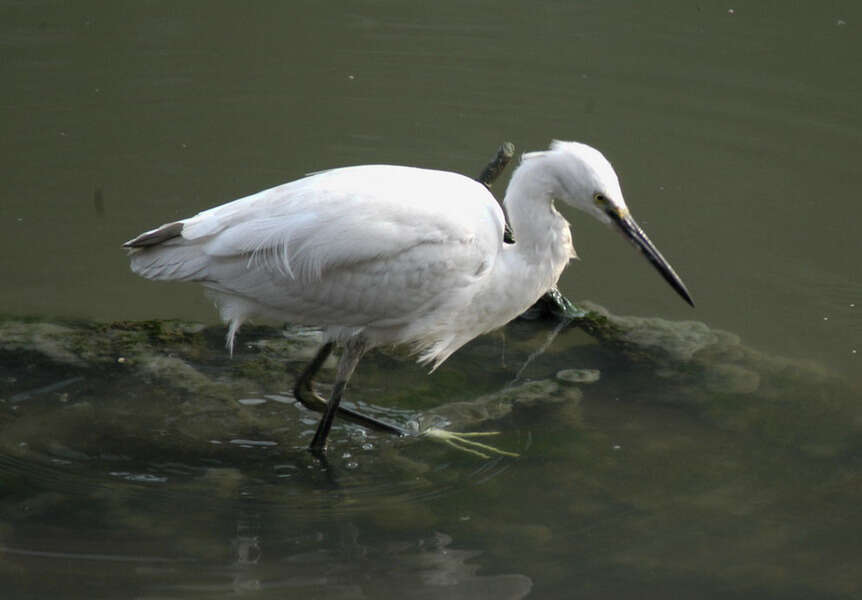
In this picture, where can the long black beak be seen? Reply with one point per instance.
(636, 235)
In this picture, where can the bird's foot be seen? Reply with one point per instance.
(310, 399)
(562, 307)
(465, 441)
(314, 401)
(555, 307)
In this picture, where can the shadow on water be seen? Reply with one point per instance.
(137, 456)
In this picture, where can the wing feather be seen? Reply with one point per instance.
(349, 247)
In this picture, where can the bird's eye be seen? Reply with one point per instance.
(600, 199)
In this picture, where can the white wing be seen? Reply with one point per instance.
(371, 246)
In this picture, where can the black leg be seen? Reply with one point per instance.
(318, 443)
(303, 390)
(353, 351)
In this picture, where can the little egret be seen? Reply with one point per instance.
(385, 255)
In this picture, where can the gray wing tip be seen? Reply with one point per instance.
(156, 236)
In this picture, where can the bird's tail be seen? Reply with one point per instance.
(164, 254)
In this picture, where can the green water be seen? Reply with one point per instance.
(736, 136)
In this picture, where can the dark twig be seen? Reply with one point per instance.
(492, 171)
(498, 164)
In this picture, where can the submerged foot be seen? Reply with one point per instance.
(304, 392)
(466, 442)
(554, 306)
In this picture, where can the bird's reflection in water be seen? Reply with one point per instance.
(343, 563)
(430, 567)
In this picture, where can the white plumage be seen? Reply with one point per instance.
(388, 254)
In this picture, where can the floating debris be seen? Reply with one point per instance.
(138, 477)
(253, 443)
(251, 401)
(579, 375)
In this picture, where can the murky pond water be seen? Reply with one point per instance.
(700, 463)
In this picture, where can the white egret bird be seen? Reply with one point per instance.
(384, 255)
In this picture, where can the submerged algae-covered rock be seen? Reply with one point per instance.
(176, 377)
(687, 455)
(789, 402)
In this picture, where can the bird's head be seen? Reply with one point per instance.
(580, 176)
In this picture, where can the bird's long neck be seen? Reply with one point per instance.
(522, 273)
(542, 248)
(543, 238)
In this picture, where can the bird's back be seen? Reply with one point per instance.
(372, 247)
